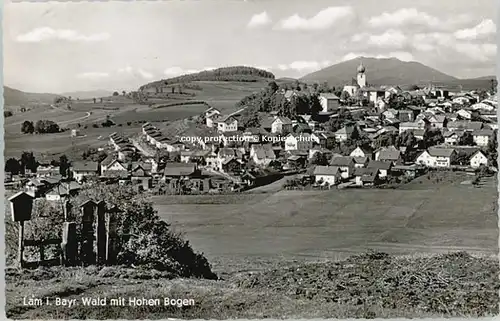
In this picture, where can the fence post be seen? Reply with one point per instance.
(87, 254)
(111, 235)
(42, 252)
(101, 232)
(21, 244)
(69, 244)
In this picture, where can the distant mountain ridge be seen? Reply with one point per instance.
(89, 94)
(14, 97)
(390, 71)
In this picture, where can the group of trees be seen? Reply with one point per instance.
(271, 99)
(237, 73)
(40, 127)
(19, 166)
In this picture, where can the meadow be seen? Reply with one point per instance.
(126, 113)
(421, 218)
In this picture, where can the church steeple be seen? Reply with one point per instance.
(361, 68)
(361, 75)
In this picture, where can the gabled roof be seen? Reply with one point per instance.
(263, 151)
(326, 170)
(440, 152)
(284, 120)
(365, 171)
(361, 160)
(179, 169)
(389, 153)
(379, 165)
(341, 161)
(85, 166)
(329, 96)
(483, 132)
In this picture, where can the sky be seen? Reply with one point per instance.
(61, 47)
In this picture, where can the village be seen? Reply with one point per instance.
(383, 138)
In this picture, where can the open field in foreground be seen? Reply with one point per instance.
(422, 218)
(368, 286)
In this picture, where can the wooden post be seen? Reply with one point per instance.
(69, 244)
(101, 233)
(20, 251)
(87, 254)
(42, 253)
(111, 236)
(67, 210)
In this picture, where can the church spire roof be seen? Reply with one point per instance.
(361, 68)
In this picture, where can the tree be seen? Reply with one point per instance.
(315, 86)
(494, 85)
(124, 92)
(27, 127)
(319, 159)
(385, 140)
(28, 161)
(344, 96)
(46, 127)
(115, 93)
(250, 117)
(432, 137)
(492, 149)
(273, 86)
(63, 165)
(466, 139)
(461, 158)
(95, 100)
(12, 166)
(406, 139)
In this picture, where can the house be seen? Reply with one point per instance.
(289, 94)
(281, 125)
(225, 154)
(346, 165)
(437, 121)
(461, 100)
(361, 162)
(227, 124)
(262, 154)
(36, 187)
(482, 106)
(344, 133)
(62, 191)
(362, 152)
(383, 168)
(436, 157)
(410, 126)
(212, 119)
(465, 125)
(329, 102)
(211, 111)
(481, 137)
(390, 113)
(180, 171)
(406, 116)
(141, 175)
(323, 138)
(478, 159)
(452, 137)
(389, 154)
(330, 175)
(110, 166)
(366, 176)
(465, 114)
(302, 142)
(322, 150)
(82, 170)
(231, 165)
(296, 161)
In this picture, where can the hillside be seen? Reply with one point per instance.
(14, 97)
(235, 73)
(392, 71)
(386, 71)
(88, 94)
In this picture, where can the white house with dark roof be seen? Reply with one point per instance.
(327, 174)
(464, 125)
(280, 125)
(482, 137)
(262, 154)
(302, 141)
(382, 167)
(329, 102)
(437, 157)
(84, 169)
(346, 165)
(478, 159)
(227, 124)
(389, 154)
(361, 152)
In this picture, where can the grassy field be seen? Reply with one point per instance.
(122, 110)
(424, 217)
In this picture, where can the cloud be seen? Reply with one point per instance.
(478, 52)
(303, 65)
(46, 33)
(390, 39)
(485, 28)
(324, 19)
(259, 20)
(93, 75)
(401, 55)
(136, 72)
(414, 17)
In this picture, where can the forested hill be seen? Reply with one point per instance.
(236, 73)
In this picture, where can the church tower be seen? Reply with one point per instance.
(361, 76)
